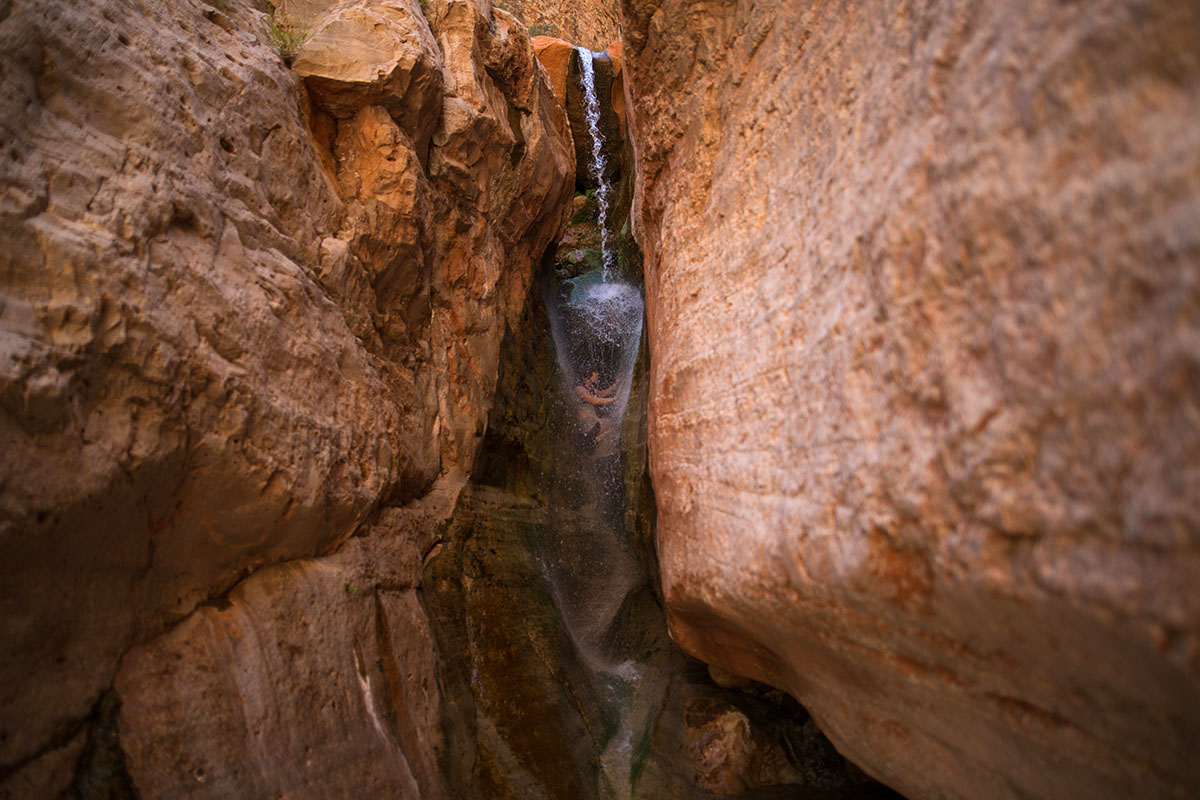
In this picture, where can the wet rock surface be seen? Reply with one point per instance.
(921, 291)
(544, 613)
(526, 714)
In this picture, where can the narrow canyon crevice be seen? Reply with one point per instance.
(559, 674)
(608, 399)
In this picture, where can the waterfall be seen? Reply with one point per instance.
(591, 570)
(597, 166)
(592, 573)
(597, 324)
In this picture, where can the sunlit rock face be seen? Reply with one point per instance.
(587, 23)
(397, 68)
(238, 321)
(921, 288)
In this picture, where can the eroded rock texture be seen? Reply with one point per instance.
(237, 325)
(314, 678)
(922, 290)
(588, 23)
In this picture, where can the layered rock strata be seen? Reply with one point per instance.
(238, 324)
(921, 294)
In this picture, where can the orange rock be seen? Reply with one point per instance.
(728, 680)
(614, 51)
(397, 67)
(555, 55)
(618, 85)
(221, 353)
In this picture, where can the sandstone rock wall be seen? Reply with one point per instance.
(314, 678)
(922, 304)
(588, 23)
(237, 325)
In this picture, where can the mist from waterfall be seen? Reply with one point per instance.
(590, 567)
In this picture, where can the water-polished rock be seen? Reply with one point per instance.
(921, 287)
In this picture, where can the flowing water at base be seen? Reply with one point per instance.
(557, 671)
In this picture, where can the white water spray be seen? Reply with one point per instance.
(591, 570)
(590, 567)
(597, 166)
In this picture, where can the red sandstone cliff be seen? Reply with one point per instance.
(922, 291)
(240, 323)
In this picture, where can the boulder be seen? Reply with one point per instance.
(555, 55)
(921, 291)
(374, 53)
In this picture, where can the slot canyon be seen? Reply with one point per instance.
(599, 400)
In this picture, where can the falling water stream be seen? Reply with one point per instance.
(592, 571)
(597, 165)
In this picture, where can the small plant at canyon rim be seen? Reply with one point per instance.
(349, 587)
(287, 36)
(543, 29)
